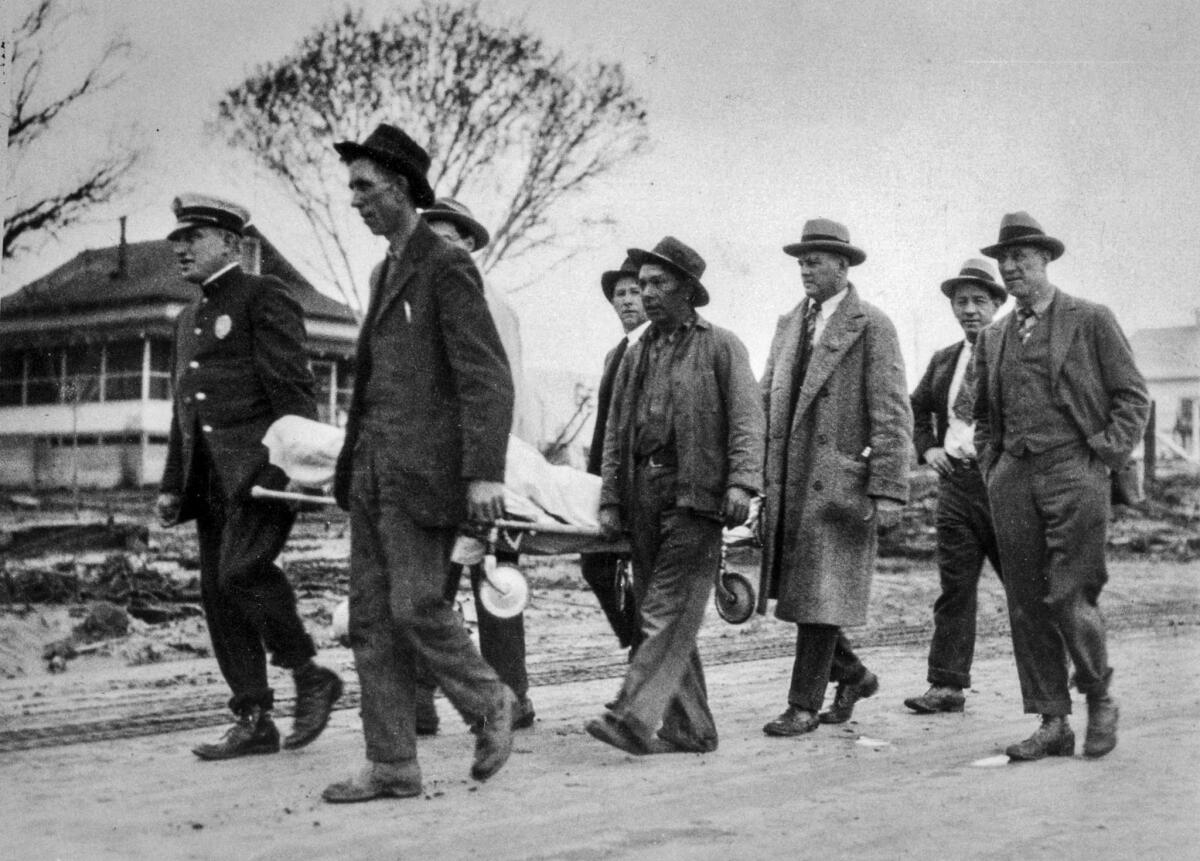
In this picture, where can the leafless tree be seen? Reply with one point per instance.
(30, 208)
(511, 126)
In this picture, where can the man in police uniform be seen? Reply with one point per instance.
(239, 366)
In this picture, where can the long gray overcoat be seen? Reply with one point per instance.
(849, 440)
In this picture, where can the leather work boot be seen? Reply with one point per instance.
(317, 689)
(253, 733)
(939, 698)
(427, 716)
(494, 738)
(1053, 738)
(848, 693)
(523, 714)
(377, 780)
(1102, 726)
(794, 721)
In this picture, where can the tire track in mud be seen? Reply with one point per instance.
(128, 713)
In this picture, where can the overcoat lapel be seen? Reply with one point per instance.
(1064, 325)
(785, 364)
(843, 329)
(396, 281)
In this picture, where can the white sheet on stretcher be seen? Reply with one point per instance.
(534, 488)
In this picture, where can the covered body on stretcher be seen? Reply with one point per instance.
(549, 509)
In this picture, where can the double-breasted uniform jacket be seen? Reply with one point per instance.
(850, 439)
(717, 421)
(928, 401)
(239, 364)
(442, 390)
(1093, 376)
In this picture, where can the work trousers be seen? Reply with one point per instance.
(249, 604)
(965, 538)
(823, 655)
(1051, 515)
(599, 571)
(400, 618)
(677, 553)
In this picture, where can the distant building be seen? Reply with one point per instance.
(85, 360)
(1169, 358)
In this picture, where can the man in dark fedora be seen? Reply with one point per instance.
(944, 437)
(501, 641)
(240, 365)
(607, 574)
(682, 456)
(425, 446)
(1058, 404)
(839, 433)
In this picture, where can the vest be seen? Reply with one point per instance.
(1033, 420)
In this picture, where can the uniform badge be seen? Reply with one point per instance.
(223, 326)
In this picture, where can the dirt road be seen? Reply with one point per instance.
(889, 785)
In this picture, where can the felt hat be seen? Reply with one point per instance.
(673, 254)
(202, 210)
(979, 272)
(609, 279)
(392, 148)
(823, 234)
(449, 209)
(1019, 228)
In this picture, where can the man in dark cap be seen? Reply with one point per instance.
(424, 452)
(682, 456)
(839, 433)
(501, 641)
(944, 436)
(1059, 403)
(240, 365)
(607, 574)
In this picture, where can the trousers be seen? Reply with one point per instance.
(676, 552)
(823, 655)
(1051, 515)
(249, 605)
(965, 538)
(400, 619)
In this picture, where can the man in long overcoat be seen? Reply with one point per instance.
(425, 445)
(839, 435)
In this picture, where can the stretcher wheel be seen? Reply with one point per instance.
(734, 597)
(504, 592)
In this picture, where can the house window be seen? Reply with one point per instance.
(123, 371)
(160, 369)
(44, 368)
(12, 378)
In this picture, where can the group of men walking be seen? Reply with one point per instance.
(1022, 421)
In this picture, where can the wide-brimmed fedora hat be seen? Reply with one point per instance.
(979, 272)
(673, 254)
(449, 209)
(1019, 228)
(392, 148)
(824, 234)
(609, 279)
(202, 210)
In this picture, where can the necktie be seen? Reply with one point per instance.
(806, 348)
(1026, 318)
(964, 399)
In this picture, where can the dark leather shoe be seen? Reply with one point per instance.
(1053, 738)
(377, 780)
(847, 695)
(427, 716)
(794, 721)
(523, 714)
(937, 699)
(669, 742)
(1102, 726)
(254, 733)
(494, 738)
(609, 729)
(317, 689)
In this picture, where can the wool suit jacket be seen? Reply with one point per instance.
(239, 364)
(443, 392)
(928, 400)
(1092, 374)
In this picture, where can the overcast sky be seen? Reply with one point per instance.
(916, 124)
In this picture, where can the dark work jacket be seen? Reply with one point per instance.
(928, 400)
(717, 416)
(239, 365)
(612, 361)
(441, 386)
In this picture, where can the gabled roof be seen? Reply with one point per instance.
(1169, 353)
(90, 281)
